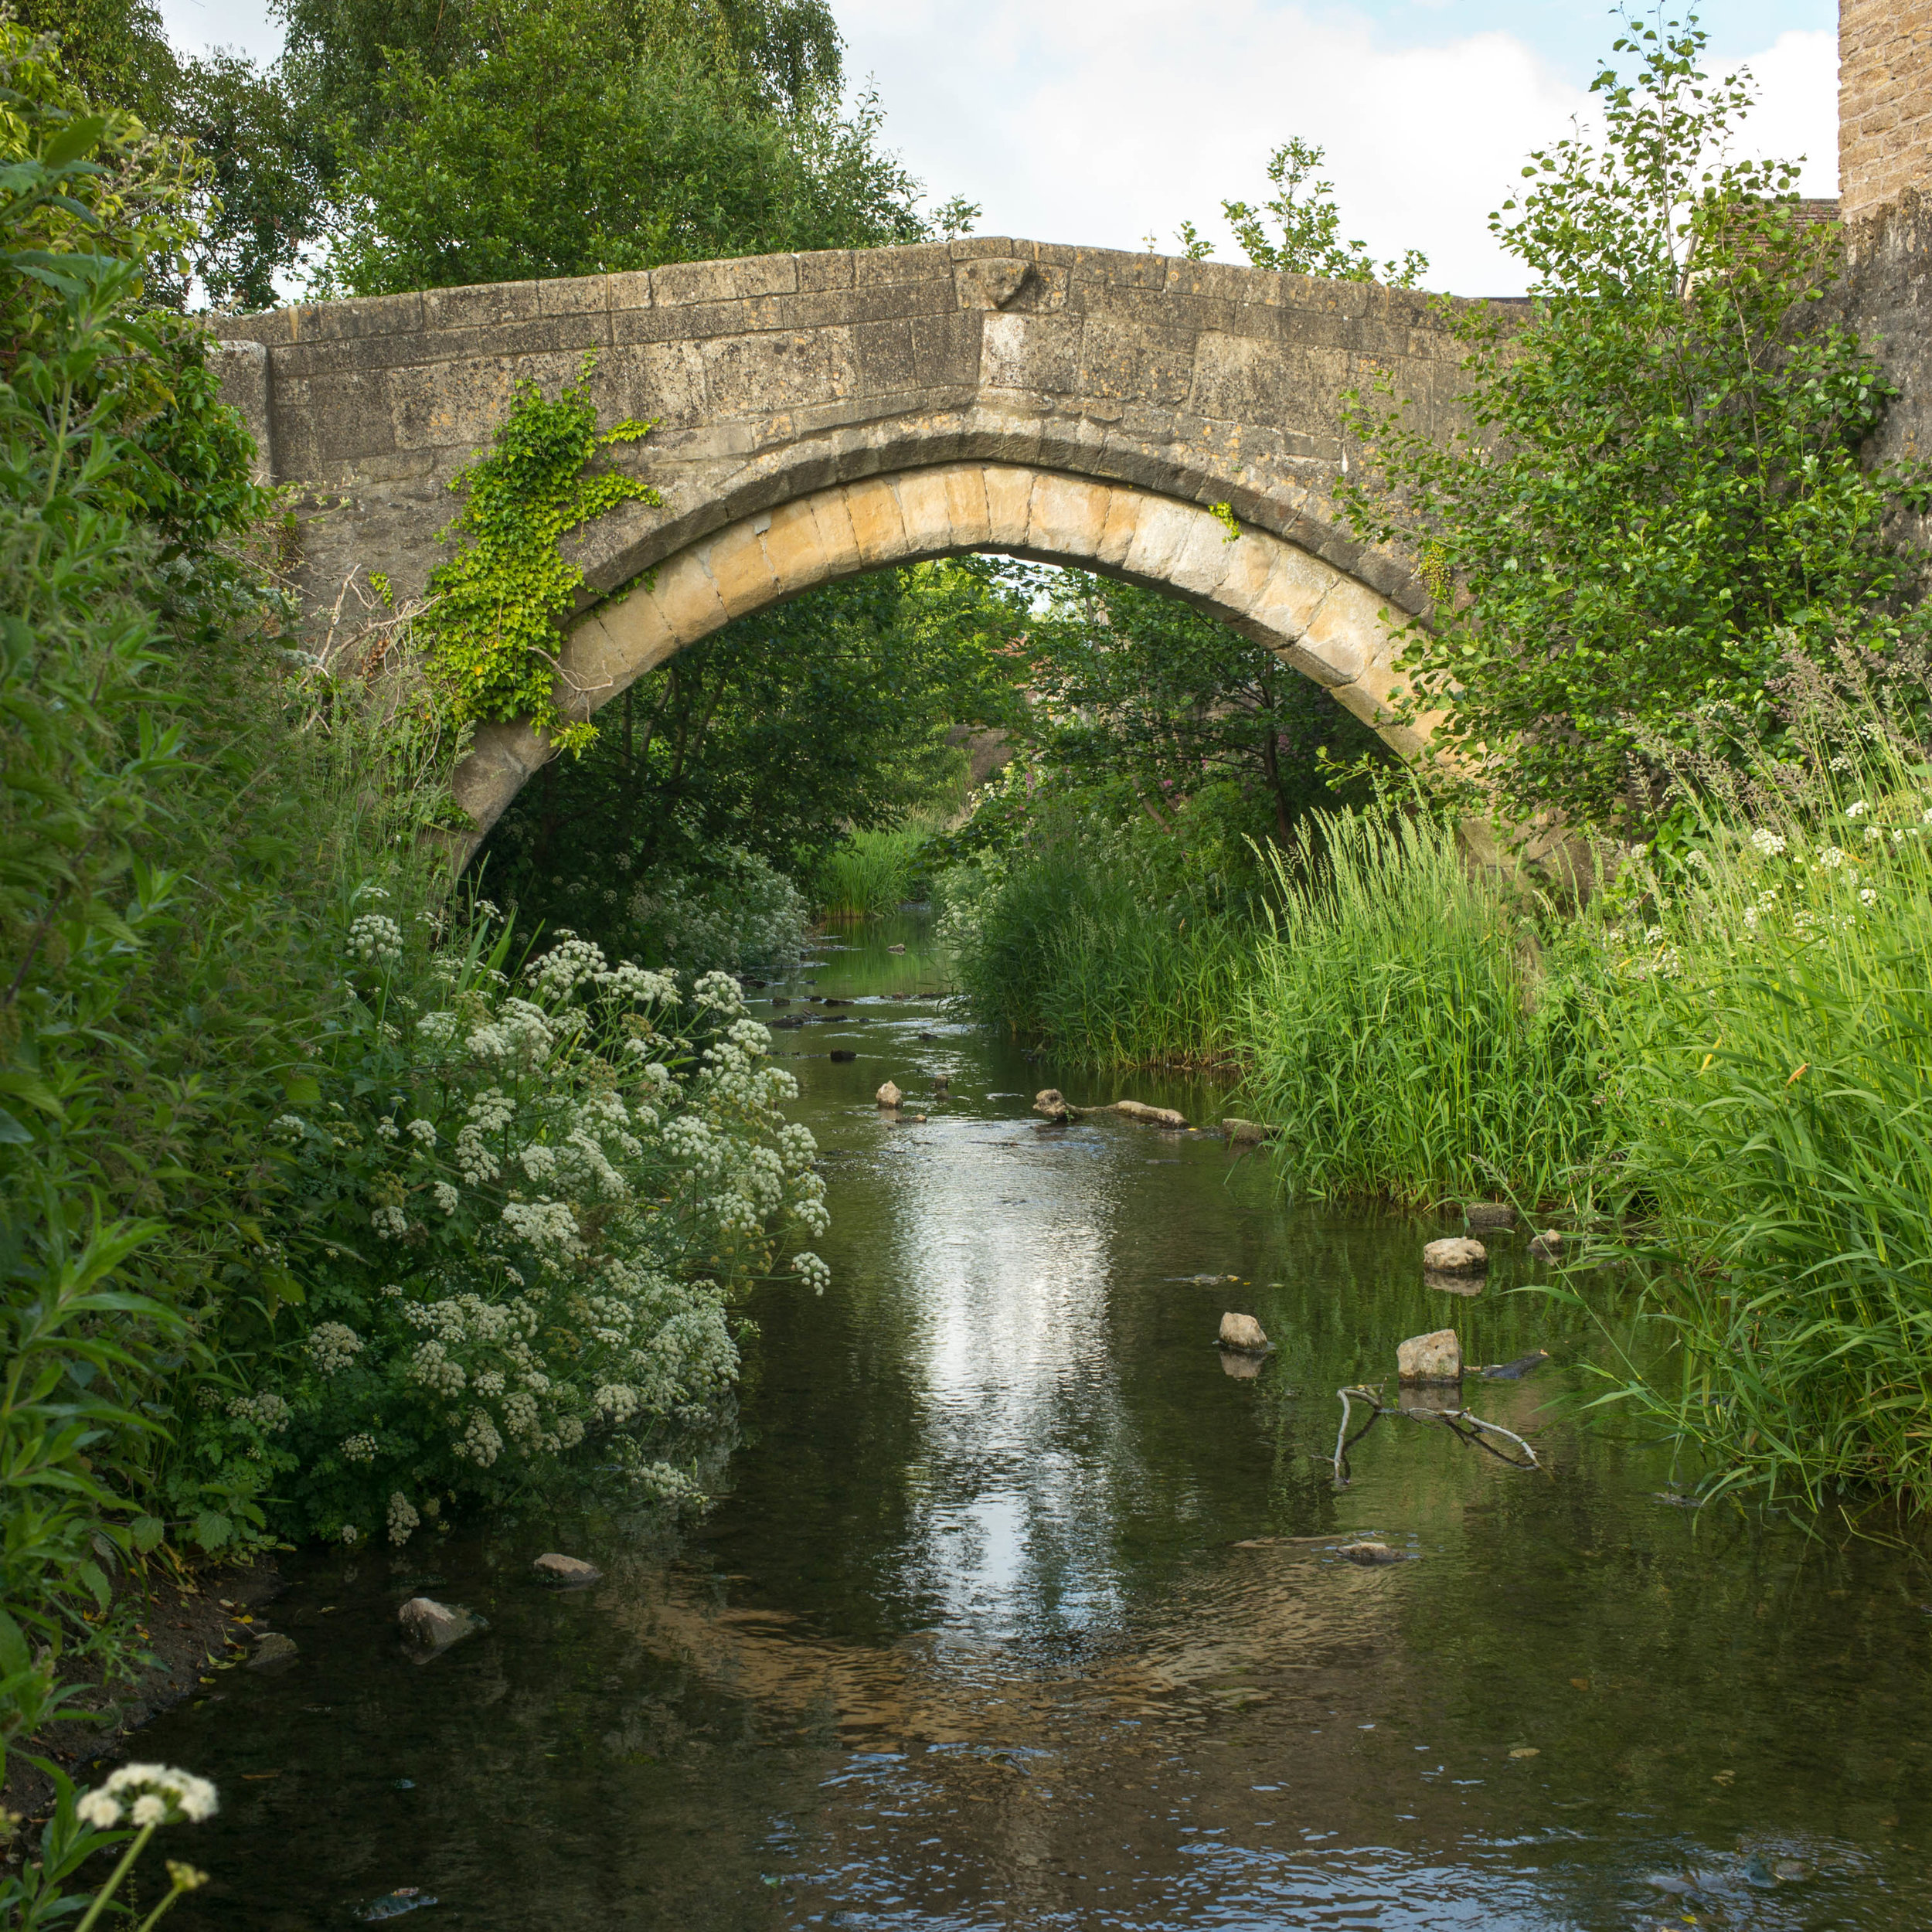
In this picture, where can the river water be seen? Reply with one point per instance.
(1023, 1608)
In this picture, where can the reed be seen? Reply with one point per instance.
(1772, 1048)
(1066, 950)
(868, 874)
(1414, 1031)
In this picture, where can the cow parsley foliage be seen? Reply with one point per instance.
(542, 1187)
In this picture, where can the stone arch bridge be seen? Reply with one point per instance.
(820, 415)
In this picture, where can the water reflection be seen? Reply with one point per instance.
(1025, 1610)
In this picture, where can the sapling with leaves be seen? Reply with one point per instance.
(1659, 494)
(1309, 219)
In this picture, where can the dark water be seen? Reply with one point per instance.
(1022, 1611)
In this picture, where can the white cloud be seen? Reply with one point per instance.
(1099, 120)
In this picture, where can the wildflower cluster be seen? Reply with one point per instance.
(524, 1224)
(146, 1794)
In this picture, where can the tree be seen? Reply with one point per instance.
(776, 736)
(786, 53)
(565, 148)
(1132, 685)
(1660, 496)
(1311, 243)
(257, 204)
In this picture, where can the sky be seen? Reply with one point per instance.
(1102, 121)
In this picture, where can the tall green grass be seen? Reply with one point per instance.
(1062, 949)
(1772, 1047)
(1413, 1029)
(868, 873)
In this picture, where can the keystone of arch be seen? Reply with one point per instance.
(1325, 624)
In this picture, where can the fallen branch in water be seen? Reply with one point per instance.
(1467, 1428)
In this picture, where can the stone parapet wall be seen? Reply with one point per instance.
(774, 375)
(1885, 102)
(1887, 297)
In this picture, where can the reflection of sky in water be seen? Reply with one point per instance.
(1014, 1530)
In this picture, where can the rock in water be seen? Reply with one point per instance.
(1458, 1255)
(1051, 1102)
(408, 1898)
(1430, 1358)
(1150, 1116)
(894, 949)
(430, 1626)
(888, 1095)
(1242, 1133)
(1243, 1332)
(1366, 1554)
(843, 1054)
(569, 1571)
(271, 1647)
(1547, 1246)
(942, 1083)
(1490, 1214)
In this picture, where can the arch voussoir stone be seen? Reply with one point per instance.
(1325, 625)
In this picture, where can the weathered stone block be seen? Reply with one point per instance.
(1009, 493)
(677, 285)
(925, 511)
(740, 570)
(873, 507)
(754, 374)
(483, 306)
(687, 596)
(1067, 517)
(1039, 352)
(966, 505)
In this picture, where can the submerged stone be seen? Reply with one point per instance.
(272, 1648)
(571, 1572)
(430, 1627)
(1368, 1554)
(1489, 1214)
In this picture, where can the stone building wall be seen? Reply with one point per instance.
(1885, 102)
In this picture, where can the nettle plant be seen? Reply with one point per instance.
(523, 1201)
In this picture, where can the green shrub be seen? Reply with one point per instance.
(520, 1203)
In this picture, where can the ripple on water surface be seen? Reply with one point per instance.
(1023, 1609)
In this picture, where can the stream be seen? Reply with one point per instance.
(1021, 1606)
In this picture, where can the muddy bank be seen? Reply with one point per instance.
(186, 1632)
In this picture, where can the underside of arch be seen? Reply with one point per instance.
(1327, 624)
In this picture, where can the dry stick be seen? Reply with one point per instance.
(1473, 1429)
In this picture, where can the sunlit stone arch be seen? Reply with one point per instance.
(1336, 630)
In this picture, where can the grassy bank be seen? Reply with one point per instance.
(1418, 1032)
(1053, 946)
